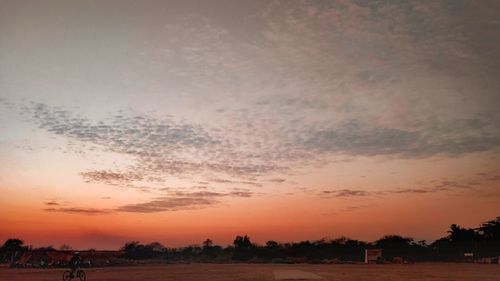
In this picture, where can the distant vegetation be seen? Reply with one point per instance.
(483, 241)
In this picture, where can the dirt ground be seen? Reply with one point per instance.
(257, 272)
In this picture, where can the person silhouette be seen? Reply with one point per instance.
(74, 263)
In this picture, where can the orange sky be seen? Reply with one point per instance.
(181, 121)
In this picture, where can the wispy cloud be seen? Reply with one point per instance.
(277, 180)
(425, 188)
(81, 211)
(175, 200)
(51, 203)
(168, 204)
(181, 201)
(345, 193)
(490, 176)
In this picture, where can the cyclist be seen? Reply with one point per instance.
(74, 263)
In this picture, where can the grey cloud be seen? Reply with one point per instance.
(345, 193)
(355, 138)
(356, 193)
(81, 211)
(277, 180)
(180, 200)
(358, 138)
(416, 190)
(51, 203)
(226, 181)
(324, 76)
(125, 133)
(168, 204)
(439, 186)
(111, 178)
(448, 184)
(429, 187)
(174, 201)
(199, 194)
(394, 56)
(488, 176)
(161, 146)
(240, 194)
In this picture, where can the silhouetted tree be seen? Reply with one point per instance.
(396, 246)
(135, 250)
(271, 244)
(242, 248)
(462, 239)
(129, 248)
(489, 238)
(12, 250)
(207, 243)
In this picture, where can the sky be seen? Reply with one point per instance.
(177, 121)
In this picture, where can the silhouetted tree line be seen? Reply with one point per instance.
(483, 241)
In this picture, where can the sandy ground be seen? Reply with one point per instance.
(256, 272)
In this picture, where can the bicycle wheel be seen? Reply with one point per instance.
(66, 275)
(81, 275)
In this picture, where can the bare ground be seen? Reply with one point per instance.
(264, 272)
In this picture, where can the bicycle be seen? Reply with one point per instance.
(80, 274)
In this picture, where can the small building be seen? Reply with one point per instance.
(468, 257)
(373, 255)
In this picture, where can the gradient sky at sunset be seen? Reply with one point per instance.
(177, 121)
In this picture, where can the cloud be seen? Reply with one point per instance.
(429, 187)
(80, 211)
(51, 203)
(179, 200)
(227, 181)
(164, 147)
(489, 176)
(277, 180)
(391, 79)
(175, 200)
(438, 186)
(448, 184)
(168, 204)
(393, 91)
(160, 146)
(345, 193)
(358, 138)
(416, 190)
(331, 77)
(111, 178)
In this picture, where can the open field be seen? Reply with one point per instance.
(255, 272)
